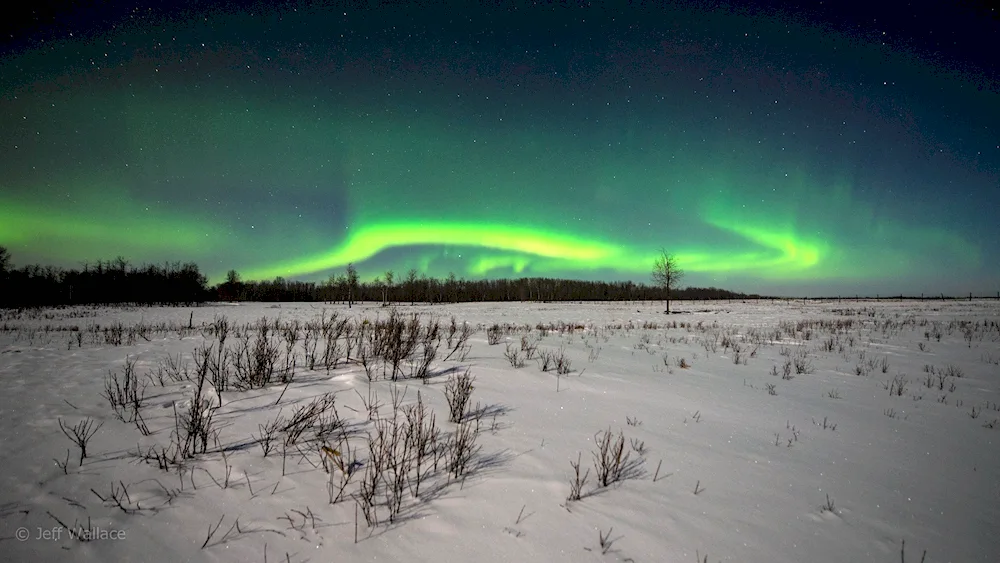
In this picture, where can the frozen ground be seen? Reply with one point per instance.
(730, 459)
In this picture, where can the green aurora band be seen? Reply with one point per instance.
(780, 254)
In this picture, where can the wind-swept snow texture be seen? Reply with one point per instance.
(797, 432)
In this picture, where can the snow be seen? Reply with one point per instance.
(763, 464)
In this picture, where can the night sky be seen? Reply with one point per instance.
(813, 150)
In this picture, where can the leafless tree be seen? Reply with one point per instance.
(352, 283)
(387, 288)
(667, 273)
(411, 284)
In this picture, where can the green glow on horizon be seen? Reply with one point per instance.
(787, 255)
(548, 251)
(368, 240)
(121, 228)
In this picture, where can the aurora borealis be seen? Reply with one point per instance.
(804, 153)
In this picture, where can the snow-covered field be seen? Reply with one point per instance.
(795, 432)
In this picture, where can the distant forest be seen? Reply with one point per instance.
(118, 282)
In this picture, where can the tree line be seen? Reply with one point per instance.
(423, 289)
(119, 282)
(103, 282)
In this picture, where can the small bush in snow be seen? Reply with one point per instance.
(494, 334)
(194, 425)
(610, 459)
(514, 356)
(458, 392)
(80, 434)
(462, 447)
(123, 393)
(563, 364)
(319, 416)
(578, 480)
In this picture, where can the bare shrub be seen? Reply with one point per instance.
(462, 447)
(459, 345)
(802, 363)
(290, 333)
(458, 392)
(118, 496)
(422, 432)
(206, 359)
(175, 369)
(400, 338)
(563, 364)
(528, 347)
(123, 392)
(610, 459)
(546, 359)
(367, 350)
(80, 434)
(333, 330)
(254, 364)
(165, 457)
(319, 416)
(513, 355)
(494, 334)
(638, 446)
(430, 342)
(365, 496)
(391, 459)
(452, 330)
(221, 327)
(897, 386)
(195, 425)
(882, 364)
(577, 482)
(268, 432)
